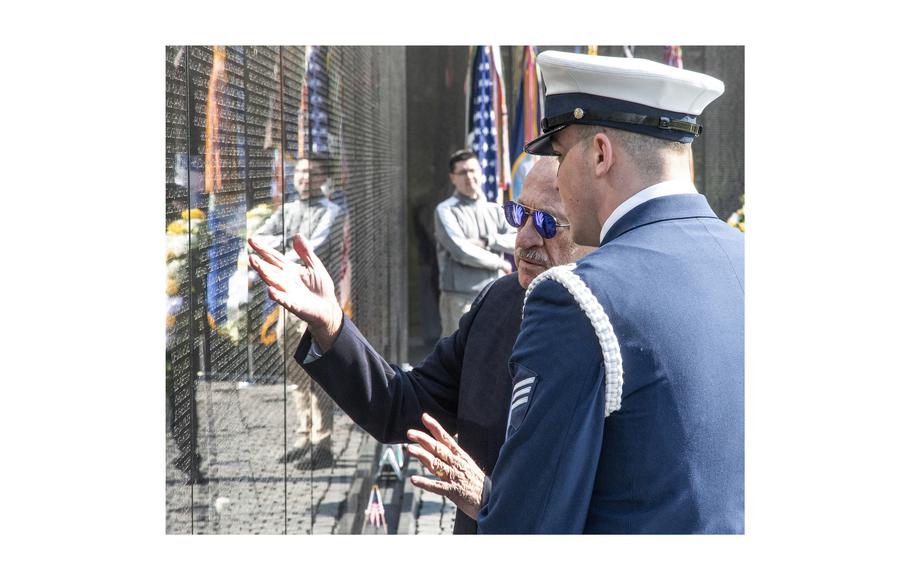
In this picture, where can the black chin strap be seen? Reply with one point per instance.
(580, 116)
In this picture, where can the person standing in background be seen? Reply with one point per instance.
(471, 237)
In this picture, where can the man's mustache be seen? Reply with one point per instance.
(534, 256)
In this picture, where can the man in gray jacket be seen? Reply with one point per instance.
(471, 236)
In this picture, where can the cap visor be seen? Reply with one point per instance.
(542, 145)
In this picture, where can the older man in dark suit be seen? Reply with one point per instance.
(464, 383)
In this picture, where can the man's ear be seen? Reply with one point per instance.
(603, 154)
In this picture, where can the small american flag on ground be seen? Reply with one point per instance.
(375, 511)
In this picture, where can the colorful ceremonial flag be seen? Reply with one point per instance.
(504, 174)
(528, 110)
(487, 121)
(586, 49)
(226, 218)
(673, 55)
(217, 81)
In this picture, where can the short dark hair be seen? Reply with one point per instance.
(460, 156)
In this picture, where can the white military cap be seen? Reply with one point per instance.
(628, 93)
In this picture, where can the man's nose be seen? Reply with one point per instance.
(527, 236)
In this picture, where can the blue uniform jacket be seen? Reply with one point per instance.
(669, 276)
(464, 383)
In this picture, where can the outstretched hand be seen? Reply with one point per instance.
(306, 290)
(460, 479)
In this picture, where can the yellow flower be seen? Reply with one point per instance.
(261, 210)
(170, 321)
(172, 287)
(192, 214)
(177, 227)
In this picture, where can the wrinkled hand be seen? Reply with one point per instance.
(460, 479)
(306, 290)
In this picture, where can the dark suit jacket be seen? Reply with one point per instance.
(464, 383)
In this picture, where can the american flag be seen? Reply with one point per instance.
(317, 87)
(375, 512)
(482, 134)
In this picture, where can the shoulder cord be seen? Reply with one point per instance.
(609, 345)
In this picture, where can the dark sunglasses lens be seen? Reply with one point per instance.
(514, 214)
(545, 224)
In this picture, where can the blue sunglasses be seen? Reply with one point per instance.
(545, 224)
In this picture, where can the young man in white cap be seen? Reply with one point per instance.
(626, 413)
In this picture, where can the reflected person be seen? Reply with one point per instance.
(464, 382)
(317, 218)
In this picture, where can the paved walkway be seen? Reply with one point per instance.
(241, 438)
(435, 514)
(242, 435)
(411, 510)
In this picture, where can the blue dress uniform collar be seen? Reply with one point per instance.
(664, 188)
(687, 206)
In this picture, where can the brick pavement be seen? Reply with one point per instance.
(435, 514)
(242, 435)
(410, 510)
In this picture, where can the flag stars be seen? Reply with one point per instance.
(483, 135)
